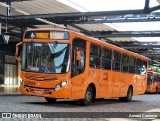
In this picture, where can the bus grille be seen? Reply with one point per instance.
(40, 77)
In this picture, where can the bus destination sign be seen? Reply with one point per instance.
(46, 35)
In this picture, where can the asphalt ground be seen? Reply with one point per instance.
(102, 109)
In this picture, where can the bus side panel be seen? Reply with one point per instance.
(125, 82)
(116, 84)
(121, 83)
(82, 81)
(94, 77)
(154, 86)
(133, 83)
(78, 86)
(149, 88)
(139, 85)
(105, 84)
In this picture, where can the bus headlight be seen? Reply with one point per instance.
(64, 83)
(59, 86)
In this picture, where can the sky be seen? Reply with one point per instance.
(111, 5)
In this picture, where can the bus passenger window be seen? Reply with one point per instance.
(106, 58)
(132, 63)
(116, 61)
(143, 70)
(94, 62)
(138, 66)
(95, 56)
(155, 78)
(124, 63)
(141, 67)
(116, 66)
(149, 79)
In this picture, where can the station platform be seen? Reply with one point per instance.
(9, 89)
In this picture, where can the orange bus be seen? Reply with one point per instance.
(153, 83)
(57, 64)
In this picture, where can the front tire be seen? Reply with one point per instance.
(50, 100)
(88, 97)
(128, 98)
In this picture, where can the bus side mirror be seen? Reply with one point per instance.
(78, 55)
(17, 51)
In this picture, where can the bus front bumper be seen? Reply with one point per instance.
(63, 92)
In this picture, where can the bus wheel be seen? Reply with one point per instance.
(156, 90)
(50, 100)
(88, 97)
(128, 98)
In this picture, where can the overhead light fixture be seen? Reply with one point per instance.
(4, 39)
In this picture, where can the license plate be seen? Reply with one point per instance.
(38, 91)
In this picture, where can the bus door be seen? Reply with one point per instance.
(78, 76)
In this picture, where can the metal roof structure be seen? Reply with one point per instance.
(17, 15)
(37, 7)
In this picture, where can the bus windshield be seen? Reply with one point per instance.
(46, 57)
(150, 78)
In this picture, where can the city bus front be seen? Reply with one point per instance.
(150, 82)
(45, 64)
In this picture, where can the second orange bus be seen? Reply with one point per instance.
(153, 83)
